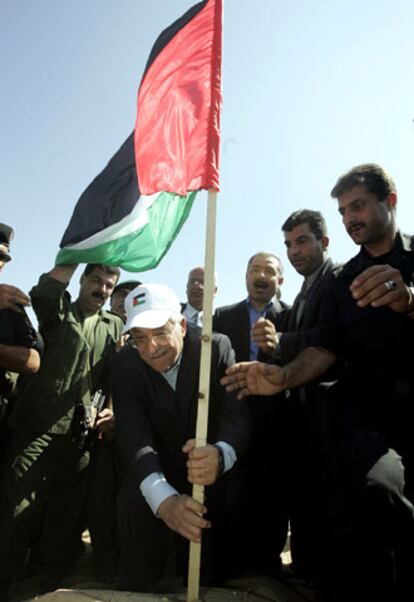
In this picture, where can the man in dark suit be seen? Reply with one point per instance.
(154, 387)
(264, 535)
(307, 428)
(240, 321)
(304, 413)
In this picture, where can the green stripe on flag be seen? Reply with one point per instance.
(143, 249)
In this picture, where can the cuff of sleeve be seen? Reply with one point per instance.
(410, 310)
(275, 355)
(229, 455)
(155, 489)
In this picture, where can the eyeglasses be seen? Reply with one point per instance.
(161, 339)
(4, 257)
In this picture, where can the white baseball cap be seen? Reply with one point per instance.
(151, 306)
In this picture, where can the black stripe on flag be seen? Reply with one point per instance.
(110, 197)
(167, 35)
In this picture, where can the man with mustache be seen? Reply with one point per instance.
(154, 386)
(247, 324)
(306, 428)
(46, 472)
(367, 320)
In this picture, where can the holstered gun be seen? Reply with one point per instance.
(84, 420)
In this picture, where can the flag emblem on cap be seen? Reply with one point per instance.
(138, 299)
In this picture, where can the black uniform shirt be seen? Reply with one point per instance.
(373, 342)
(16, 329)
(373, 398)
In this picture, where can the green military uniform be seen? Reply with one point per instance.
(46, 470)
(72, 365)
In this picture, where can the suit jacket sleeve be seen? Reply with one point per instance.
(233, 321)
(135, 436)
(291, 344)
(232, 425)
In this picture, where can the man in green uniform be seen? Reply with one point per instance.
(44, 477)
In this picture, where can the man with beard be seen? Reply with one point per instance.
(367, 319)
(193, 309)
(45, 475)
(246, 324)
(306, 425)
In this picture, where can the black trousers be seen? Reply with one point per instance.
(100, 510)
(263, 527)
(306, 453)
(363, 535)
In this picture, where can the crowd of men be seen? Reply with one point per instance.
(310, 423)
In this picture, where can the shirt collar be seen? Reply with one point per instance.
(172, 374)
(310, 279)
(363, 260)
(268, 306)
(191, 309)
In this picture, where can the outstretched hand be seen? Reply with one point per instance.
(254, 378)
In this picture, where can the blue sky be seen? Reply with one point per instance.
(309, 90)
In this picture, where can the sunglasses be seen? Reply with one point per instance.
(4, 257)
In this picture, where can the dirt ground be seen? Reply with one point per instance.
(81, 586)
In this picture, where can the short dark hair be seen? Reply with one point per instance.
(109, 269)
(376, 180)
(127, 285)
(314, 219)
(267, 254)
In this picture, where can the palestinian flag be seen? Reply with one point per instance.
(133, 210)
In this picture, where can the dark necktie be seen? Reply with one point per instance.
(302, 302)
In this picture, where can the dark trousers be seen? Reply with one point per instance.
(362, 537)
(43, 490)
(151, 555)
(101, 509)
(264, 525)
(307, 447)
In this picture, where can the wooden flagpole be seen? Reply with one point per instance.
(204, 382)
